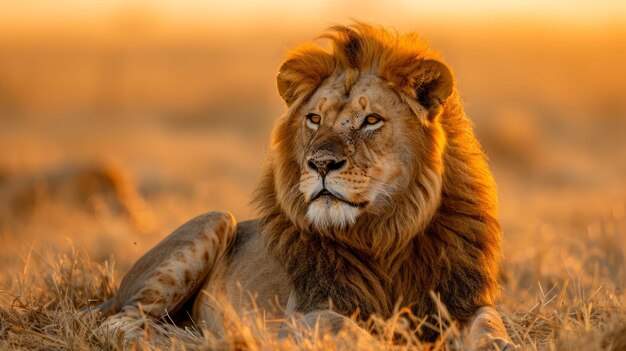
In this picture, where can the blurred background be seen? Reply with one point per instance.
(119, 120)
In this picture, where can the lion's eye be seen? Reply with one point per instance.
(314, 118)
(371, 120)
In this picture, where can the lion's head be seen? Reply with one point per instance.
(361, 144)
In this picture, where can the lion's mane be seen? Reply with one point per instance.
(442, 234)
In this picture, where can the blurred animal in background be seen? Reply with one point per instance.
(375, 193)
(96, 188)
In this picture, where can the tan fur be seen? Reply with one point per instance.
(410, 207)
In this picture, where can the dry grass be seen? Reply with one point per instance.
(574, 306)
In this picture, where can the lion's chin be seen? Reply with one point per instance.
(327, 213)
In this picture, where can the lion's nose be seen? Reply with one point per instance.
(325, 165)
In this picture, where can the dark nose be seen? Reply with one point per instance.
(325, 165)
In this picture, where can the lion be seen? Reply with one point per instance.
(375, 192)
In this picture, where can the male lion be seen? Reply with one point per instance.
(375, 192)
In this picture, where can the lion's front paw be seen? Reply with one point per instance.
(127, 325)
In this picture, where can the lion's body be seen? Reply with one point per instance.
(375, 192)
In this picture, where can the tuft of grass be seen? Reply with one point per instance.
(42, 309)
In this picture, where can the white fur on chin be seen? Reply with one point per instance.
(327, 212)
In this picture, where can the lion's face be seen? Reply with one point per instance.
(355, 149)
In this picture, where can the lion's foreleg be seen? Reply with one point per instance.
(168, 275)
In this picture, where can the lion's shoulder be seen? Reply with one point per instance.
(246, 231)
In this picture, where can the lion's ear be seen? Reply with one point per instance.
(285, 81)
(304, 70)
(433, 83)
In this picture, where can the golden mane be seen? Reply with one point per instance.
(442, 235)
(356, 49)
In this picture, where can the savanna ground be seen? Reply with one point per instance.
(110, 144)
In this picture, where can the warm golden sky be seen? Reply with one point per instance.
(309, 12)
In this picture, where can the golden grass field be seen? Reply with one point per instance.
(112, 140)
